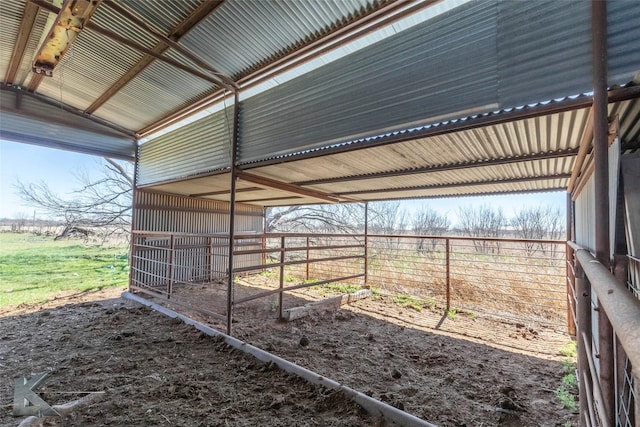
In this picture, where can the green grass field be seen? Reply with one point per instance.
(34, 268)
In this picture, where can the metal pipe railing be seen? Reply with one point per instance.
(622, 310)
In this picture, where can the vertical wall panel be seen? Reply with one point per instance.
(201, 146)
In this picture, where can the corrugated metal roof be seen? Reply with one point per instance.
(623, 40)
(137, 104)
(544, 134)
(162, 14)
(10, 17)
(86, 72)
(36, 122)
(245, 34)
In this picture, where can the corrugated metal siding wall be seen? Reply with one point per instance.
(156, 212)
(586, 225)
(201, 146)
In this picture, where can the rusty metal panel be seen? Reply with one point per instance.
(39, 123)
(198, 147)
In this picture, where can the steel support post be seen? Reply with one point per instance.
(447, 251)
(601, 181)
(366, 243)
(282, 259)
(571, 290)
(232, 209)
(583, 309)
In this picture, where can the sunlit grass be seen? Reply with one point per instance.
(33, 269)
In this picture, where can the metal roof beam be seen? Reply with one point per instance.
(456, 184)
(136, 46)
(288, 188)
(440, 168)
(225, 80)
(26, 27)
(180, 30)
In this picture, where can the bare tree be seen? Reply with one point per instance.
(429, 222)
(542, 222)
(104, 202)
(484, 221)
(338, 218)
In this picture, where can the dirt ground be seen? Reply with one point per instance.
(152, 370)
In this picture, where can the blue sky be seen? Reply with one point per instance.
(32, 164)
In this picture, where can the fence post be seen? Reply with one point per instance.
(366, 242)
(307, 276)
(583, 314)
(447, 250)
(282, 259)
(571, 291)
(170, 268)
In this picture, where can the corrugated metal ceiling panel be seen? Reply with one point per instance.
(85, 72)
(10, 16)
(445, 66)
(42, 124)
(624, 40)
(536, 135)
(137, 104)
(243, 34)
(30, 51)
(544, 50)
(556, 184)
(200, 147)
(629, 114)
(162, 14)
(547, 167)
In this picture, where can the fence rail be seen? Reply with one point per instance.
(609, 367)
(521, 280)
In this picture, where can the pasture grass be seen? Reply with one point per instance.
(33, 269)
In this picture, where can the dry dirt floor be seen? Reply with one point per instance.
(153, 371)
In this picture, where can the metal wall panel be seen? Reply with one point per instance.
(544, 50)
(443, 67)
(157, 212)
(39, 123)
(624, 40)
(585, 214)
(201, 146)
